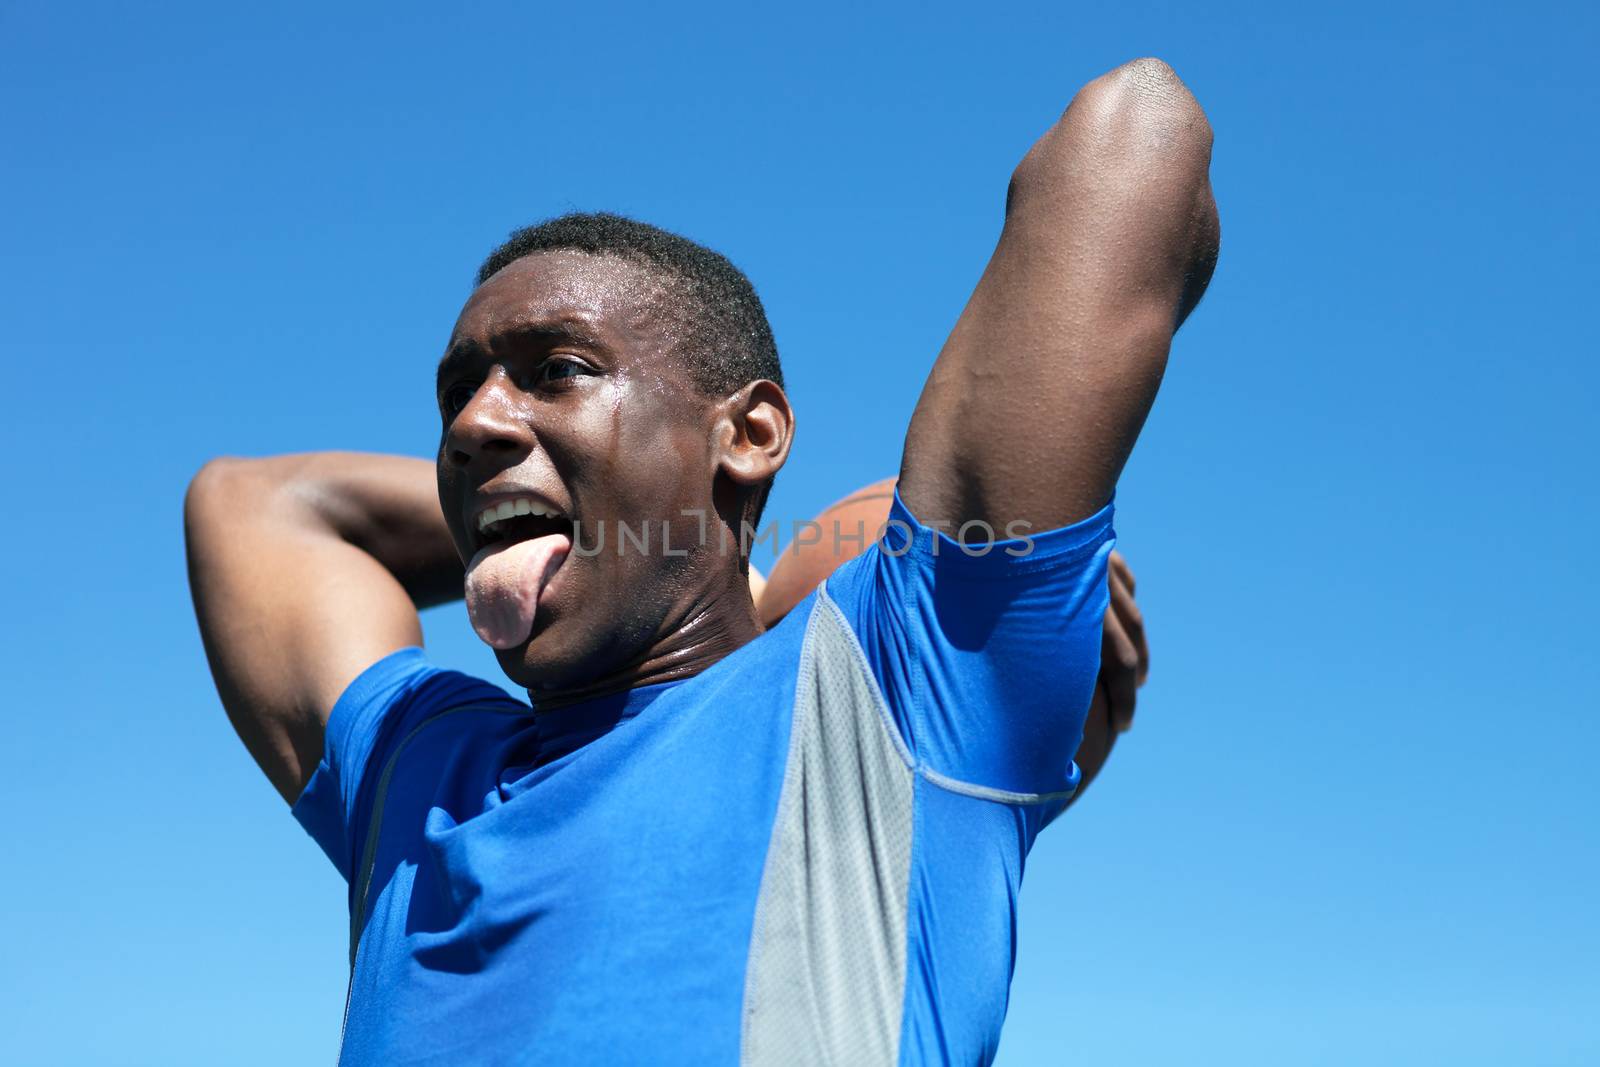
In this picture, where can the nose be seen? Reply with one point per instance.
(489, 426)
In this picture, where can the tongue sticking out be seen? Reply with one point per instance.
(504, 583)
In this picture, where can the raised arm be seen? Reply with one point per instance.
(305, 570)
(1109, 241)
(843, 531)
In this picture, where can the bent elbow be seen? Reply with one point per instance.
(213, 482)
(1139, 119)
(1145, 97)
(225, 491)
(1144, 78)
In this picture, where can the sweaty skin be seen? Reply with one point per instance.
(559, 381)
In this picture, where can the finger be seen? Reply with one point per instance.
(1119, 672)
(1119, 564)
(1131, 620)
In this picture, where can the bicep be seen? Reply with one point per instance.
(1035, 401)
(289, 613)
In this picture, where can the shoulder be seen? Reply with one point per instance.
(406, 686)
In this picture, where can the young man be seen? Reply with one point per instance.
(703, 843)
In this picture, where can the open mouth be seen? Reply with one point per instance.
(521, 544)
(519, 519)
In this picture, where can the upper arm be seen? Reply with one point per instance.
(986, 654)
(1109, 239)
(290, 613)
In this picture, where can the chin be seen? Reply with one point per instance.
(573, 650)
(537, 664)
(555, 658)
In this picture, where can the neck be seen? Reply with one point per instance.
(709, 628)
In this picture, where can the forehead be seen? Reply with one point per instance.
(607, 296)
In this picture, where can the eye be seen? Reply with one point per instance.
(558, 368)
(458, 396)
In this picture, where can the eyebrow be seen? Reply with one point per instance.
(456, 359)
(544, 332)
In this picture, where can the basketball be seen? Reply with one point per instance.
(841, 533)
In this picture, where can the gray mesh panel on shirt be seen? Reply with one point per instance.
(826, 976)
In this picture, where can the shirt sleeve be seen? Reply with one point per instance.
(986, 648)
(370, 719)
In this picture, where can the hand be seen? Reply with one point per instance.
(758, 584)
(1124, 653)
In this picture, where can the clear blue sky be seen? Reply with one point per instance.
(1357, 821)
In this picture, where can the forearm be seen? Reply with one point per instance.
(305, 570)
(386, 506)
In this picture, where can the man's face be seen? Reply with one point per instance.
(559, 383)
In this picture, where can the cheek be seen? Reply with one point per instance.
(644, 450)
(587, 441)
(449, 507)
(675, 472)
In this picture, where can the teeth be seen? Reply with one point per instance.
(510, 508)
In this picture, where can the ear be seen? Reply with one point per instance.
(754, 429)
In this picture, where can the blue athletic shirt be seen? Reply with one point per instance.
(808, 853)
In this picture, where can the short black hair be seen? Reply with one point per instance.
(726, 340)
